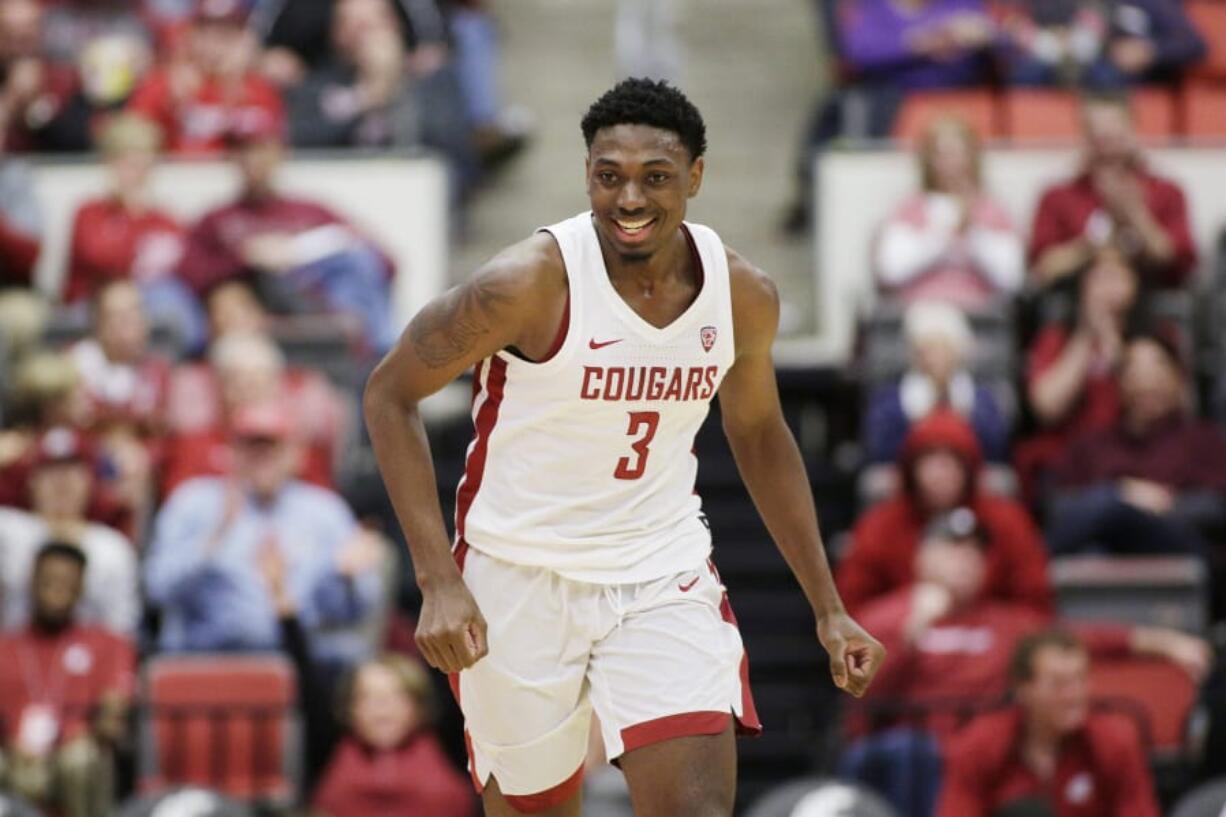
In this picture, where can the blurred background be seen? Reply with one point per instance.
(998, 232)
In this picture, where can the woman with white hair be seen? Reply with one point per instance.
(939, 339)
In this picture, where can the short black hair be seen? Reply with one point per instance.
(55, 548)
(641, 101)
(1021, 666)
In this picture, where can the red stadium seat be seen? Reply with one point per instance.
(1154, 112)
(1159, 689)
(1209, 17)
(1041, 116)
(920, 108)
(1204, 109)
(225, 722)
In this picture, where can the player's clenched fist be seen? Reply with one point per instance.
(855, 656)
(451, 630)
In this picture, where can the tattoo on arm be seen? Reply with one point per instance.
(448, 331)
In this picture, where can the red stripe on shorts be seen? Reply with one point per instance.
(684, 725)
(547, 799)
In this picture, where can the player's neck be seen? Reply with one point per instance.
(649, 273)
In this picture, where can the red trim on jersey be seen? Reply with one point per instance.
(460, 554)
(684, 725)
(748, 724)
(700, 274)
(487, 416)
(547, 799)
(560, 337)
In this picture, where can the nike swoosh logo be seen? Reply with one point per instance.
(594, 344)
(685, 588)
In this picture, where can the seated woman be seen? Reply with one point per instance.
(950, 240)
(391, 761)
(1071, 368)
(939, 339)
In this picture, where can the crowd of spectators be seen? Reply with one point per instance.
(169, 480)
(1105, 453)
(884, 50)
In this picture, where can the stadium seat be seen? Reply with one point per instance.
(1154, 112)
(1169, 591)
(1040, 116)
(224, 722)
(1204, 109)
(1159, 689)
(1209, 18)
(918, 109)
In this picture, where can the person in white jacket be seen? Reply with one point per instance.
(949, 241)
(60, 485)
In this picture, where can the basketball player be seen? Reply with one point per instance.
(580, 577)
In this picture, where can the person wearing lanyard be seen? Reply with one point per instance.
(64, 693)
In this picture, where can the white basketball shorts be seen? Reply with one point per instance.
(655, 660)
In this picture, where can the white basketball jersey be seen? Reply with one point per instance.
(584, 463)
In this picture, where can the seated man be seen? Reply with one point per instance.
(301, 256)
(61, 484)
(1115, 198)
(203, 566)
(940, 466)
(939, 340)
(65, 689)
(948, 643)
(1049, 754)
(1153, 481)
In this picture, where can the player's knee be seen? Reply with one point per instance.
(697, 800)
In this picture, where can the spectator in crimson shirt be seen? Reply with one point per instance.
(301, 256)
(948, 643)
(124, 235)
(1113, 199)
(1153, 481)
(1049, 753)
(1072, 363)
(203, 94)
(246, 368)
(391, 762)
(65, 689)
(940, 467)
(20, 222)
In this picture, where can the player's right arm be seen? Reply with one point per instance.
(501, 305)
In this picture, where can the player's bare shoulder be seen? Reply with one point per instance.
(755, 304)
(505, 302)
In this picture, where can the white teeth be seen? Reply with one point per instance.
(633, 227)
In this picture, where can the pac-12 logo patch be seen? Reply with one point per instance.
(707, 336)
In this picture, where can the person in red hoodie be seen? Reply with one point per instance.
(1050, 754)
(391, 762)
(940, 466)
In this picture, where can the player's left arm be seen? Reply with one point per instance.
(774, 473)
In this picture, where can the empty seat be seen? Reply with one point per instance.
(1154, 113)
(224, 722)
(976, 107)
(1041, 116)
(1169, 591)
(1159, 689)
(1204, 109)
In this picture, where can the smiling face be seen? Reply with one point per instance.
(639, 179)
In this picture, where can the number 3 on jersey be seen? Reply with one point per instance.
(645, 423)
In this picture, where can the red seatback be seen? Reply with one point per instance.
(1153, 112)
(1041, 116)
(223, 722)
(921, 107)
(1204, 109)
(1160, 689)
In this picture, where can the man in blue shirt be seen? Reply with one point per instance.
(203, 567)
